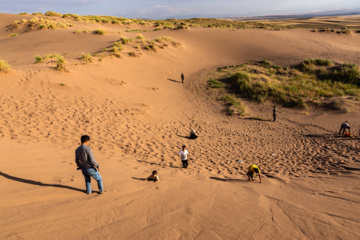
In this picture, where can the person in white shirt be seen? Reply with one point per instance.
(183, 156)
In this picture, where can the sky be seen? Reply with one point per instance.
(161, 9)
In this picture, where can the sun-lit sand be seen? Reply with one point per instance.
(138, 115)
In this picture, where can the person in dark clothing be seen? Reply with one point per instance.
(343, 127)
(274, 113)
(85, 161)
(182, 77)
(193, 134)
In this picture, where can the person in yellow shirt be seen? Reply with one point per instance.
(251, 170)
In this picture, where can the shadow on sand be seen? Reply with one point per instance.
(258, 119)
(157, 164)
(228, 179)
(39, 183)
(174, 80)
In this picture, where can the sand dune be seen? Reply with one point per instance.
(138, 116)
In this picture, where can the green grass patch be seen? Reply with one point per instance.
(4, 66)
(235, 106)
(294, 86)
(13, 35)
(99, 32)
(86, 57)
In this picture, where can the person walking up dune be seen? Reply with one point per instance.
(182, 77)
(274, 113)
(183, 156)
(85, 161)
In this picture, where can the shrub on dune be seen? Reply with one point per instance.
(13, 35)
(99, 32)
(60, 63)
(86, 57)
(51, 13)
(38, 59)
(23, 13)
(4, 66)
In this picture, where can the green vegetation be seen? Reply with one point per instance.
(136, 30)
(140, 37)
(162, 39)
(60, 63)
(176, 24)
(235, 106)
(38, 59)
(60, 60)
(213, 83)
(99, 32)
(313, 81)
(55, 14)
(86, 57)
(40, 23)
(81, 31)
(132, 54)
(36, 13)
(23, 13)
(125, 40)
(4, 66)
(13, 35)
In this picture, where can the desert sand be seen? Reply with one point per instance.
(138, 115)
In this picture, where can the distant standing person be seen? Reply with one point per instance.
(182, 77)
(344, 126)
(251, 170)
(183, 156)
(274, 113)
(85, 160)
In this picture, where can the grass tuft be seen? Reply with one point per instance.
(86, 57)
(4, 66)
(99, 32)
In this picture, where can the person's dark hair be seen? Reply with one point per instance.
(256, 170)
(85, 138)
(183, 146)
(154, 172)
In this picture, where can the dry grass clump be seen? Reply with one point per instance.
(60, 60)
(99, 31)
(234, 105)
(13, 35)
(290, 86)
(55, 14)
(136, 30)
(23, 13)
(81, 31)
(176, 24)
(36, 13)
(37, 23)
(60, 63)
(132, 54)
(86, 57)
(4, 66)
(125, 40)
(140, 37)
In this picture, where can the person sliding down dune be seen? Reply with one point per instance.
(153, 177)
(193, 134)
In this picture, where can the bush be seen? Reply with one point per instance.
(51, 13)
(132, 54)
(125, 40)
(60, 63)
(4, 66)
(99, 32)
(38, 59)
(86, 57)
(234, 105)
(23, 13)
(216, 84)
(13, 35)
(119, 46)
(140, 37)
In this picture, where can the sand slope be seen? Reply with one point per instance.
(138, 114)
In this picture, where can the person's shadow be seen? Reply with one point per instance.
(174, 80)
(38, 183)
(228, 179)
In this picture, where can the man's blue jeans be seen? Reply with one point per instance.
(92, 172)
